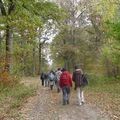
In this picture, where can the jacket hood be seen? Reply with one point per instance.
(78, 70)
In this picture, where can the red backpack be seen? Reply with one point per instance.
(64, 78)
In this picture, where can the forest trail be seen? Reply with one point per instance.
(47, 105)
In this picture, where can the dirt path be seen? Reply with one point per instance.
(47, 105)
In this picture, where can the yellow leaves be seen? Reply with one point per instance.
(5, 77)
(107, 8)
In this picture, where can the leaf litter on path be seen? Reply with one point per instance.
(47, 105)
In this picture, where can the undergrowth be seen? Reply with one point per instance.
(16, 94)
(104, 92)
(104, 84)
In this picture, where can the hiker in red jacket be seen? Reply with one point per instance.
(65, 84)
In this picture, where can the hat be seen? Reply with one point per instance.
(59, 69)
(76, 67)
(63, 69)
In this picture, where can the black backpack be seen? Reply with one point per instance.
(84, 80)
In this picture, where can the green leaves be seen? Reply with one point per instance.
(114, 30)
(24, 18)
(112, 51)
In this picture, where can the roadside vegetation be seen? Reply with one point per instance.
(12, 98)
(104, 93)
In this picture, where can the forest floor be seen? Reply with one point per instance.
(47, 105)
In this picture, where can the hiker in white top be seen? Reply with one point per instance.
(58, 74)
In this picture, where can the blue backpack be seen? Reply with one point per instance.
(51, 76)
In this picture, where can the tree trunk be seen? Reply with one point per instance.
(9, 46)
(108, 67)
(65, 63)
(39, 58)
(0, 40)
(9, 35)
(34, 62)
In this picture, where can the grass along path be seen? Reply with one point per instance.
(12, 98)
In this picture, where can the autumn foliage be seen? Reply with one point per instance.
(5, 77)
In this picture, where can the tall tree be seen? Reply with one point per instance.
(9, 36)
(18, 20)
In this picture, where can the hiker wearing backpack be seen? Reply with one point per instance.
(46, 79)
(42, 77)
(58, 74)
(77, 78)
(65, 84)
(51, 79)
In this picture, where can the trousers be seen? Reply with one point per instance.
(80, 95)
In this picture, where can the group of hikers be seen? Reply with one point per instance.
(62, 79)
(51, 79)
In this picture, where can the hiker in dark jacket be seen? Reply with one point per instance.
(46, 80)
(77, 78)
(65, 84)
(42, 78)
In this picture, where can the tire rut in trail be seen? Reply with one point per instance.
(47, 105)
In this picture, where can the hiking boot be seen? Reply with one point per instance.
(64, 102)
(83, 102)
(58, 90)
(67, 101)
